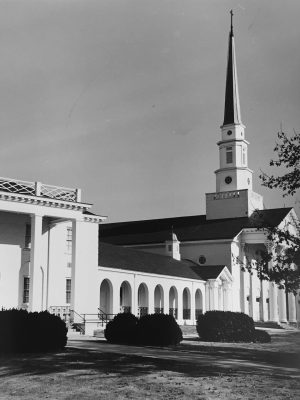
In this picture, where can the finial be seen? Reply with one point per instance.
(231, 26)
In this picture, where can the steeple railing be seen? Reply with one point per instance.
(39, 189)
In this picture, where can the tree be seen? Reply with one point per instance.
(284, 249)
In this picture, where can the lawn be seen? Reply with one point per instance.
(93, 369)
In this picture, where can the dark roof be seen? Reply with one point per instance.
(190, 228)
(209, 271)
(118, 257)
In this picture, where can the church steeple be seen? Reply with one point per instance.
(232, 112)
(234, 196)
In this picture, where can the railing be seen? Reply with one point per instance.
(9, 185)
(173, 311)
(142, 311)
(186, 313)
(158, 310)
(61, 311)
(125, 309)
(104, 317)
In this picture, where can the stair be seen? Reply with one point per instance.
(268, 324)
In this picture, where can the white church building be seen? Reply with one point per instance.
(56, 255)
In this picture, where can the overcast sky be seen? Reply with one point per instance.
(124, 98)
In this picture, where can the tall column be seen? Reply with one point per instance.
(252, 297)
(213, 295)
(193, 306)
(282, 305)
(292, 308)
(262, 302)
(85, 292)
(166, 300)
(242, 279)
(180, 305)
(150, 299)
(226, 291)
(274, 315)
(36, 259)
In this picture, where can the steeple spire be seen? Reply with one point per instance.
(232, 112)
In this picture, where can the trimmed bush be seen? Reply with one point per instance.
(261, 336)
(158, 330)
(22, 331)
(122, 329)
(154, 329)
(225, 326)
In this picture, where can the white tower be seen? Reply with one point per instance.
(234, 196)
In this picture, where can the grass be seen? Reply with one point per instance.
(90, 369)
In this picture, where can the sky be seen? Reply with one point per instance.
(124, 98)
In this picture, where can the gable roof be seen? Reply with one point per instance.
(118, 257)
(190, 228)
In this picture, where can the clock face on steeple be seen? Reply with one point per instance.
(228, 180)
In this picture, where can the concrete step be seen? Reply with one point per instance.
(267, 324)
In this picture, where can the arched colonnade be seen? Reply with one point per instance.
(183, 302)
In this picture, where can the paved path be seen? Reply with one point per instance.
(222, 358)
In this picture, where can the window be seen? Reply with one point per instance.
(69, 240)
(26, 289)
(229, 155)
(68, 290)
(27, 236)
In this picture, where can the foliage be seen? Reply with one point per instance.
(225, 326)
(279, 262)
(261, 336)
(158, 330)
(22, 331)
(288, 151)
(122, 329)
(154, 329)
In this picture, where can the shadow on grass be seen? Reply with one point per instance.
(191, 360)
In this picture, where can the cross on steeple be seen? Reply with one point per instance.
(231, 18)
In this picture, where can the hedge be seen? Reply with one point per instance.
(122, 329)
(22, 331)
(152, 329)
(227, 326)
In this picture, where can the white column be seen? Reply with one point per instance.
(220, 297)
(166, 300)
(36, 258)
(115, 298)
(282, 305)
(274, 316)
(262, 302)
(85, 292)
(213, 294)
(150, 299)
(180, 305)
(292, 308)
(242, 279)
(252, 297)
(193, 307)
(226, 289)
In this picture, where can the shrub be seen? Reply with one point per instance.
(122, 329)
(22, 331)
(158, 330)
(261, 336)
(225, 326)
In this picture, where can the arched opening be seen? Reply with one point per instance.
(198, 303)
(173, 302)
(106, 297)
(158, 300)
(143, 297)
(125, 297)
(186, 304)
